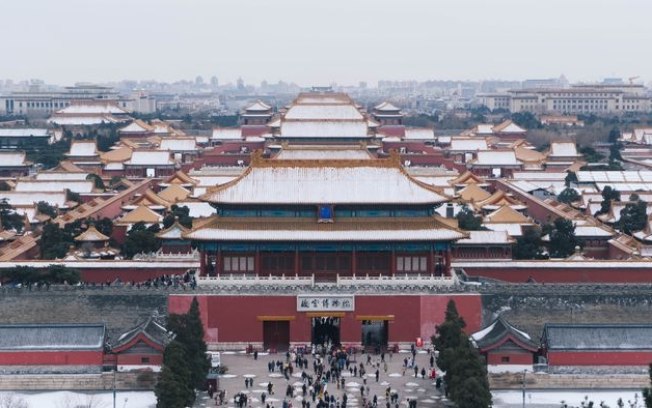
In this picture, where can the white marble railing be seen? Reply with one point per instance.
(295, 280)
(243, 279)
(404, 279)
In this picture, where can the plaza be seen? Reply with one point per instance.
(242, 365)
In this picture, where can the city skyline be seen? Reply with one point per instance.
(319, 43)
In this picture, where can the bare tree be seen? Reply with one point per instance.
(11, 400)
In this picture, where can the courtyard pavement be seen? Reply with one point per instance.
(241, 366)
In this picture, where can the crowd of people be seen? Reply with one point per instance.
(323, 382)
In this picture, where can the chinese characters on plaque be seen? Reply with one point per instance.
(325, 303)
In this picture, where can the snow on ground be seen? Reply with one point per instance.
(54, 399)
(553, 398)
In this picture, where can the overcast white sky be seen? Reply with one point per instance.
(320, 41)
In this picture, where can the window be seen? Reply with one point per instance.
(238, 264)
(411, 264)
(504, 359)
(144, 360)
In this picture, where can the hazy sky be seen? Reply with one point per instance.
(320, 41)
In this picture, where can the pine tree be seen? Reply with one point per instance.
(647, 392)
(174, 388)
(449, 335)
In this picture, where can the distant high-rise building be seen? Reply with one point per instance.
(214, 82)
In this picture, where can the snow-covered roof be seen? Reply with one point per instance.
(486, 238)
(323, 154)
(198, 209)
(28, 198)
(323, 112)
(61, 176)
(150, 157)
(92, 109)
(365, 182)
(84, 120)
(324, 129)
(25, 337)
(114, 166)
(563, 149)
(137, 126)
(419, 134)
(76, 186)
(12, 158)
(91, 235)
(175, 231)
(465, 144)
(81, 148)
(227, 134)
(641, 176)
(595, 336)
(484, 129)
(179, 144)
(386, 107)
(355, 229)
(497, 158)
(514, 230)
(258, 106)
(539, 175)
(24, 132)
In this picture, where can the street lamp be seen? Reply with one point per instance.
(523, 386)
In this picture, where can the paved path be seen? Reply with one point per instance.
(241, 366)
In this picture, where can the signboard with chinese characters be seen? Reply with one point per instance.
(325, 303)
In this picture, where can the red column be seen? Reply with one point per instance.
(431, 262)
(218, 261)
(296, 261)
(202, 263)
(257, 262)
(354, 262)
(393, 264)
(448, 262)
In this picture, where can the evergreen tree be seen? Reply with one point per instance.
(190, 333)
(10, 219)
(173, 388)
(647, 392)
(568, 196)
(562, 238)
(449, 335)
(468, 221)
(178, 213)
(55, 241)
(140, 239)
(44, 208)
(529, 245)
(634, 216)
(609, 195)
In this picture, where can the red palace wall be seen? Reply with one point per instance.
(606, 274)
(137, 359)
(596, 358)
(74, 357)
(496, 358)
(235, 319)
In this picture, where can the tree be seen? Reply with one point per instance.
(647, 392)
(614, 135)
(140, 239)
(44, 208)
(562, 238)
(468, 221)
(190, 333)
(173, 388)
(590, 155)
(634, 216)
(178, 213)
(104, 225)
(571, 177)
(465, 371)
(449, 335)
(10, 219)
(568, 196)
(55, 242)
(97, 181)
(529, 245)
(526, 120)
(609, 194)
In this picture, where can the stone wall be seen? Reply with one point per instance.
(530, 306)
(575, 381)
(88, 382)
(119, 308)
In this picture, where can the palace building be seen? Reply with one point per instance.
(321, 241)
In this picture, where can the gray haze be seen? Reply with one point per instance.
(320, 41)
